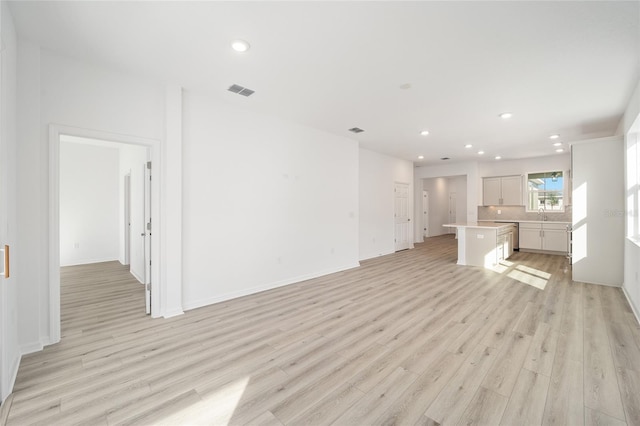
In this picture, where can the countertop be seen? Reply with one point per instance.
(523, 221)
(489, 224)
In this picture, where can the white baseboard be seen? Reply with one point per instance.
(174, 313)
(633, 307)
(140, 280)
(233, 295)
(31, 348)
(89, 261)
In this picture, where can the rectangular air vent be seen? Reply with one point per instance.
(356, 130)
(240, 90)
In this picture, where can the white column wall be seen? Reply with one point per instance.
(598, 211)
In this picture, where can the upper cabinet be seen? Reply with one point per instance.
(502, 191)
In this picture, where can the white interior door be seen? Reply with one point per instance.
(402, 218)
(146, 234)
(452, 211)
(425, 213)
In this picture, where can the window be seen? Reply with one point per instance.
(545, 191)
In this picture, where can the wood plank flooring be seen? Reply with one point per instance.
(409, 338)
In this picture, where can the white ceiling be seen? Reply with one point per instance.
(559, 67)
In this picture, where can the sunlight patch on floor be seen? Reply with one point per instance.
(215, 408)
(530, 276)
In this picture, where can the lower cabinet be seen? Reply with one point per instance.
(504, 243)
(544, 236)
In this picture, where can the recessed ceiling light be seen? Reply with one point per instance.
(240, 46)
(420, 157)
(557, 144)
(554, 136)
(424, 132)
(498, 157)
(560, 150)
(506, 115)
(480, 152)
(468, 146)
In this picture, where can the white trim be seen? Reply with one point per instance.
(264, 287)
(31, 348)
(55, 130)
(90, 261)
(140, 279)
(633, 308)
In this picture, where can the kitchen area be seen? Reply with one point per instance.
(528, 211)
(558, 204)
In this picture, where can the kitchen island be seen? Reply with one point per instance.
(483, 244)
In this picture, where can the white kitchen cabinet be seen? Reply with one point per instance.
(555, 237)
(502, 191)
(552, 237)
(530, 236)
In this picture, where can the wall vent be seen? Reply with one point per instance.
(445, 158)
(240, 90)
(356, 130)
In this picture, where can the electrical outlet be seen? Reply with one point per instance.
(76, 245)
(499, 211)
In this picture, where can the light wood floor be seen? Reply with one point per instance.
(409, 338)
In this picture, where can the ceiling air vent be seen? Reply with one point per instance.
(445, 158)
(356, 130)
(236, 88)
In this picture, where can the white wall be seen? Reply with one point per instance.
(598, 211)
(377, 175)
(58, 90)
(300, 221)
(132, 161)
(9, 342)
(89, 203)
(630, 127)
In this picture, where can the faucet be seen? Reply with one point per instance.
(542, 213)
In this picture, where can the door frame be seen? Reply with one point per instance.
(55, 131)
(425, 212)
(453, 197)
(408, 224)
(127, 219)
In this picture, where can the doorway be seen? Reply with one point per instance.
(151, 150)
(104, 199)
